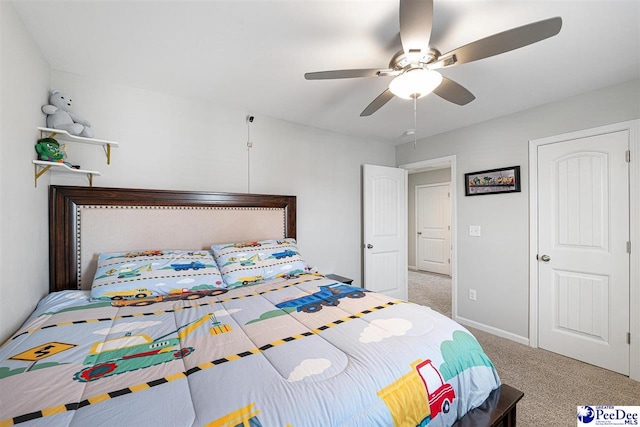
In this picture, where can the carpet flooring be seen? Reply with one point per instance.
(553, 385)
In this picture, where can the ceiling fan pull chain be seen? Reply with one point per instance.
(415, 120)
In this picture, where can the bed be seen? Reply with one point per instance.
(283, 346)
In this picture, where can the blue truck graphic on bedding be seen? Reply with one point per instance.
(283, 254)
(328, 295)
(196, 265)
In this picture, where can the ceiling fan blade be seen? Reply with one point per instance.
(343, 74)
(453, 92)
(377, 103)
(416, 18)
(503, 42)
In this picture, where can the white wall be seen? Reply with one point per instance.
(415, 179)
(496, 264)
(24, 251)
(169, 142)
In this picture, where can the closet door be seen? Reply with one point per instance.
(433, 217)
(583, 260)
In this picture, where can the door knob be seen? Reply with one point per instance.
(544, 258)
(420, 232)
(369, 246)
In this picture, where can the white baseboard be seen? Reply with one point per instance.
(494, 331)
(413, 267)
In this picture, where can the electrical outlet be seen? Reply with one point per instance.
(472, 294)
(474, 230)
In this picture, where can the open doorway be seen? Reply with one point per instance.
(441, 169)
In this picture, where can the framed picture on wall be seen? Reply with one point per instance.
(503, 180)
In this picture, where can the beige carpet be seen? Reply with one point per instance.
(553, 385)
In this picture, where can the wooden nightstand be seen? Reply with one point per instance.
(339, 278)
(499, 410)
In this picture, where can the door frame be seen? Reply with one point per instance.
(450, 162)
(437, 184)
(633, 126)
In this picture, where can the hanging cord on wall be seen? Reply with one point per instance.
(249, 146)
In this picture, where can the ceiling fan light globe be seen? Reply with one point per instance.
(415, 83)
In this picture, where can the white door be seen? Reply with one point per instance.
(385, 230)
(583, 229)
(433, 228)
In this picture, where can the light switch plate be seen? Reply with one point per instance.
(474, 230)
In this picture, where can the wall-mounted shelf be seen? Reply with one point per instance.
(41, 167)
(66, 136)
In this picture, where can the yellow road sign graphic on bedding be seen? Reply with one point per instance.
(42, 351)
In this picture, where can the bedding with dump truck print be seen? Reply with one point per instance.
(302, 351)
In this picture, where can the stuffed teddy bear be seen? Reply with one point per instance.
(59, 116)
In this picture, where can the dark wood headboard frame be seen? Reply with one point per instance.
(64, 201)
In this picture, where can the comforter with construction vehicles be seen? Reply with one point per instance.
(306, 351)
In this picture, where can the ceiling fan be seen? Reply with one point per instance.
(415, 66)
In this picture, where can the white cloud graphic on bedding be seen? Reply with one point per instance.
(126, 327)
(186, 281)
(380, 329)
(309, 367)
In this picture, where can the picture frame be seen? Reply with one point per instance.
(492, 181)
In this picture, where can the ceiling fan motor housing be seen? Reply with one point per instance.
(401, 61)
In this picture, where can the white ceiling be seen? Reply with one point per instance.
(252, 55)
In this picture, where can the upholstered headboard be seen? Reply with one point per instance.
(86, 221)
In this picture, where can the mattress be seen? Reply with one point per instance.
(304, 351)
